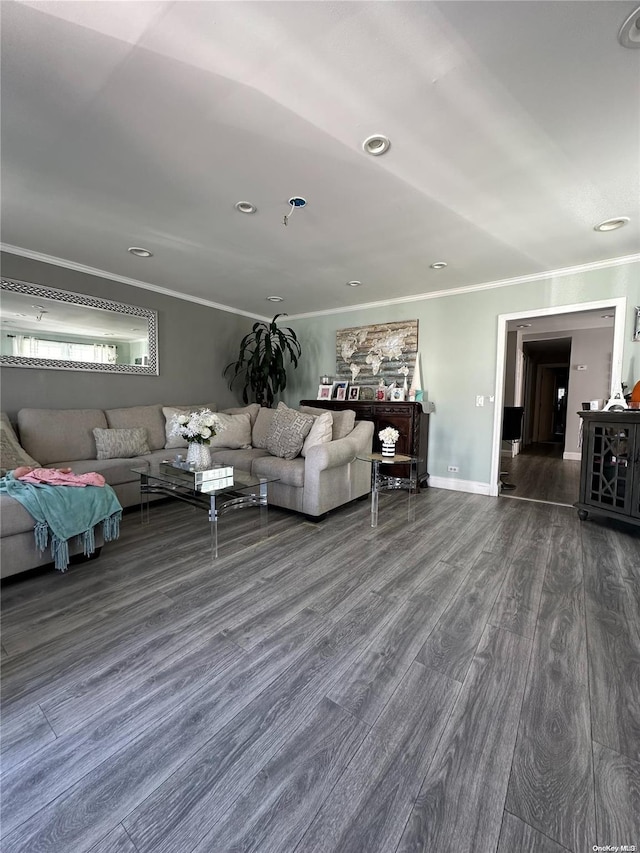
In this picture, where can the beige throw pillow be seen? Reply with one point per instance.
(343, 421)
(262, 427)
(289, 429)
(12, 454)
(121, 443)
(235, 432)
(171, 412)
(320, 432)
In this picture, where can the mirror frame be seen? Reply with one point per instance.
(41, 292)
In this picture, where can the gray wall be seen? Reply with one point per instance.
(195, 343)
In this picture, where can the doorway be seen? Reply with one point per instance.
(557, 411)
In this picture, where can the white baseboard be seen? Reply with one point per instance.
(570, 454)
(471, 486)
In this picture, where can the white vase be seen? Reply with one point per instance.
(199, 455)
(388, 448)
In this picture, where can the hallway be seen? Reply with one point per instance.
(540, 473)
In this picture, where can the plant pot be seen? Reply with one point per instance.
(199, 455)
(388, 449)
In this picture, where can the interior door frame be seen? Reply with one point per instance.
(619, 303)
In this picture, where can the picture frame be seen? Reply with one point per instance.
(354, 392)
(324, 392)
(397, 395)
(636, 327)
(367, 392)
(339, 391)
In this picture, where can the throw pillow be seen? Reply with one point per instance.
(289, 429)
(262, 427)
(12, 454)
(343, 421)
(170, 412)
(235, 432)
(121, 443)
(320, 432)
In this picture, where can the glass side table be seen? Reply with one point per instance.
(383, 482)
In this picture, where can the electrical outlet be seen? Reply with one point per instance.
(453, 468)
(480, 400)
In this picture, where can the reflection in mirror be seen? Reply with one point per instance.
(44, 327)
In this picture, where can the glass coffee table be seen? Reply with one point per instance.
(382, 481)
(240, 490)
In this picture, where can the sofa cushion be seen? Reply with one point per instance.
(170, 412)
(288, 431)
(240, 459)
(120, 443)
(235, 431)
(343, 421)
(321, 432)
(52, 435)
(14, 518)
(252, 410)
(261, 427)
(12, 454)
(114, 471)
(149, 417)
(287, 471)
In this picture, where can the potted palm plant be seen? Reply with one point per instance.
(262, 361)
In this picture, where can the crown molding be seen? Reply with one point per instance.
(472, 288)
(122, 279)
(401, 300)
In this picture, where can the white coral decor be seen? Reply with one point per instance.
(196, 426)
(389, 435)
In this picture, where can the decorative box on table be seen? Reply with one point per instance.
(217, 477)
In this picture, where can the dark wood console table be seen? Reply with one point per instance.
(610, 470)
(408, 418)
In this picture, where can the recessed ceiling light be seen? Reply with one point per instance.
(274, 298)
(245, 207)
(354, 283)
(611, 224)
(524, 325)
(439, 265)
(376, 144)
(139, 252)
(629, 32)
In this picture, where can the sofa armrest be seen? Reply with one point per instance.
(332, 476)
(342, 451)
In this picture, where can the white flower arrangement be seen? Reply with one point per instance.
(196, 426)
(388, 435)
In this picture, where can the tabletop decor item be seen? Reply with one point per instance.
(388, 436)
(197, 428)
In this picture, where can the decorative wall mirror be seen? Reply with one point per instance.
(56, 329)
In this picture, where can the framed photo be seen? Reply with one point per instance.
(340, 390)
(636, 328)
(397, 395)
(354, 392)
(367, 392)
(324, 392)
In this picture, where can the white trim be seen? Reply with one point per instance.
(472, 486)
(471, 288)
(572, 455)
(123, 279)
(617, 302)
(418, 297)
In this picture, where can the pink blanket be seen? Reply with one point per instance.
(58, 477)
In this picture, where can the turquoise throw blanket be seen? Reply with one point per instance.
(61, 512)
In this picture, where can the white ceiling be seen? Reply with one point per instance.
(515, 128)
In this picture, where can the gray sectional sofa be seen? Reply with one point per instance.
(326, 477)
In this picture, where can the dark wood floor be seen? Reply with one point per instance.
(470, 681)
(540, 473)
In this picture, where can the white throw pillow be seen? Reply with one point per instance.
(320, 432)
(170, 412)
(235, 433)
